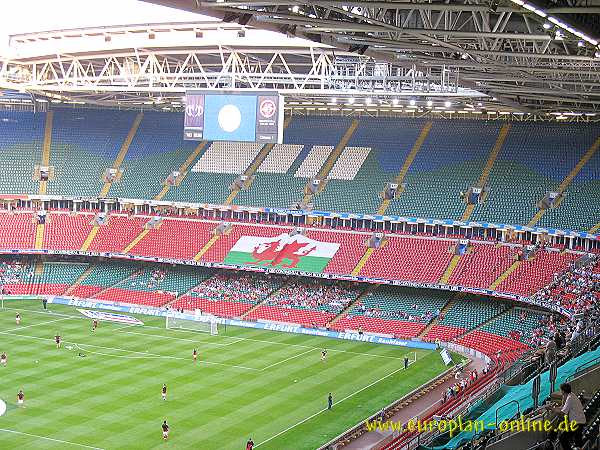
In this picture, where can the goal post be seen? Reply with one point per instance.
(207, 325)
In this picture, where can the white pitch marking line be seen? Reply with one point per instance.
(132, 351)
(37, 324)
(238, 339)
(325, 409)
(287, 359)
(49, 439)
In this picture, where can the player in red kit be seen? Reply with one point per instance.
(21, 398)
(250, 444)
(165, 430)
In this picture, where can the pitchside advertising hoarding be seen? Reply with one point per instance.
(238, 116)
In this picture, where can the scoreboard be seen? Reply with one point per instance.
(242, 116)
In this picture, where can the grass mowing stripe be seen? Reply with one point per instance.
(60, 441)
(114, 403)
(325, 409)
(37, 324)
(287, 359)
(152, 355)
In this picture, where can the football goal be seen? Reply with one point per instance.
(207, 324)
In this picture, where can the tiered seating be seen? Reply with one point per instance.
(284, 189)
(209, 179)
(175, 239)
(21, 140)
(64, 231)
(54, 279)
(307, 318)
(450, 160)
(465, 314)
(483, 266)
(17, 231)
(227, 157)
(576, 210)
(103, 276)
(308, 302)
(490, 344)
(157, 149)
(389, 144)
(153, 286)
(84, 144)
(349, 163)
(280, 158)
(229, 294)
(315, 294)
(119, 232)
(314, 161)
(402, 312)
(518, 324)
(422, 260)
(535, 158)
(534, 274)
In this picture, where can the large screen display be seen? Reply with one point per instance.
(242, 116)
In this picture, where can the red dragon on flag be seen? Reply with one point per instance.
(297, 252)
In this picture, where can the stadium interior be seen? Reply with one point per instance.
(466, 220)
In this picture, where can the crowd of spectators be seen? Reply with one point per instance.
(315, 294)
(577, 289)
(415, 314)
(12, 272)
(150, 283)
(237, 287)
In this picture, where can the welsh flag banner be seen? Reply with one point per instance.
(284, 251)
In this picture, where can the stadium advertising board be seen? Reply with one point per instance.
(285, 328)
(238, 116)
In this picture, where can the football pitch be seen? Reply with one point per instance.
(268, 386)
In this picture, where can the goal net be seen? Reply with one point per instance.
(203, 326)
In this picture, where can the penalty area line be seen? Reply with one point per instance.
(49, 439)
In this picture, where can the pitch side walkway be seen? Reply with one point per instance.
(370, 440)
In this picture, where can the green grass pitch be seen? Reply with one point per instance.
(247, 383)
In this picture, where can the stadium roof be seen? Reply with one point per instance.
(534, 56)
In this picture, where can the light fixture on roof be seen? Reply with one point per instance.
(429, 103)
(447, 103)
(558, 35)
(395, 101)
(334, 100)
(479, 104)
(547, 26)
(597, 54)
(580, 44)
(368, 100)
(412, 102)
(351, 100)
(295, 8)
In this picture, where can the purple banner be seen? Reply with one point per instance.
(194, 116)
